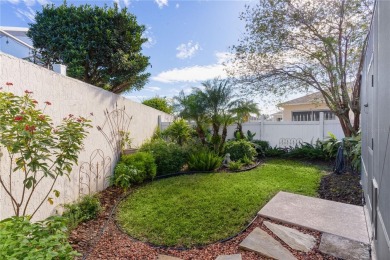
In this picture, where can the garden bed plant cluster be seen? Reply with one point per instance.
(178, 149)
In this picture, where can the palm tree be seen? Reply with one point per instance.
(242, 110)
(218, 95)
(193, 107)
(227, 119)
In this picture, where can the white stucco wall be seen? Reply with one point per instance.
(70, 96)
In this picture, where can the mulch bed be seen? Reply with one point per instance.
(102, 239)
(343, 187)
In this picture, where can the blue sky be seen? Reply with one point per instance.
(188, 40)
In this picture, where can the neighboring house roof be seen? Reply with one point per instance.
(279, 113)
(15, 33)
(308, 99)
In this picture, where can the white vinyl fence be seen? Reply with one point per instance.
(285, 134)
(110, 114)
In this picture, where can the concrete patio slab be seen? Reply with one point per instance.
(331, 217)
(292, 237)
(260, 242)
(229, 257)
(344, 248)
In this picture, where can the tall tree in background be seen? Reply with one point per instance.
(159, 103)
(316, 44)
(100, 46)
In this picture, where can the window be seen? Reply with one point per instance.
(312, 115)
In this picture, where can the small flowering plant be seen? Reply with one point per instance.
(37, 150)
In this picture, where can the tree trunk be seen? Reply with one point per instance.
(345, 121)
(216, 138)
(201, 133)
(356, 121)
(239, 128)
(223, 138)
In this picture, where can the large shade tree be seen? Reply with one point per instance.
(298, 45)
(100, 46)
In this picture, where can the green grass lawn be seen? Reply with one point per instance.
(203, 208)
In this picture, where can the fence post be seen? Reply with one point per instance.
(159, 124)
(262, 118)
(321, 126)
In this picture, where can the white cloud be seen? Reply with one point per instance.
(191, 74)
(197, 73)
(148, 34)
(23, 13)
(152, 89)
(224, 57)
(43, 2)
(29, 2)
(126, 2)
(187, 50)
(161, 3)
(177, 5)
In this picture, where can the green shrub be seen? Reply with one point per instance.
(260, 146)
(250, 136)
(246, 161)
(308, 151)
(194, 145)
(124, 175)
(275, 151)
(86, 208)
(353, 151)
(143, 162)
(235, 166)
(331, 145)
(21, 239)
(240, 148)
(204, 160)
(134, 169)
(169, 157)
(179, 132)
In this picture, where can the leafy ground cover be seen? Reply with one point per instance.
(203, 208)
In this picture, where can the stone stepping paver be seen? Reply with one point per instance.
(344, 248)
(229, 257)
(259, 241)
(292, 237)
(167, 257)
(326, 216)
